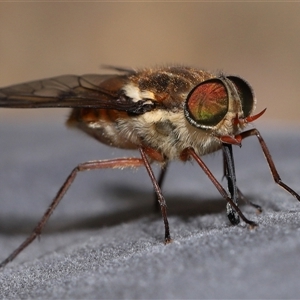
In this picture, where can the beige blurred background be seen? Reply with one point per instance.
(258, 41)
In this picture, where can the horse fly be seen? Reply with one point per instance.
(168, 113)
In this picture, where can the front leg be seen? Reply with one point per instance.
(231, 179)
(190, 152)
(267, 154)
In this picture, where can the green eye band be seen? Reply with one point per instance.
(207, 104)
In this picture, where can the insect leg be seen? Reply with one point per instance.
(240, 194)
(247, 201)
(161, 178)
(91, 165)
(269, 159)
(160, 197)
(191, 152)
(231, 179)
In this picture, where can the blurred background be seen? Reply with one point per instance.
(257, 41)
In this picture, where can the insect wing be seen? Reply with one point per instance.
(87, 91)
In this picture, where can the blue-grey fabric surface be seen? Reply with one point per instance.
(105, 239)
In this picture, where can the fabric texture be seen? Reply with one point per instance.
(105, 239)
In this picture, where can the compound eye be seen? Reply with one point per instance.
(207, 104)
(245, 94)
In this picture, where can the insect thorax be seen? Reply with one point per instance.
(167, 132)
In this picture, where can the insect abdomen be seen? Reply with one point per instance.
(102, 124)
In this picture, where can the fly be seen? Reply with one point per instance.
(169, 113)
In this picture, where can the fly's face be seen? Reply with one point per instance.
(221, 105)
